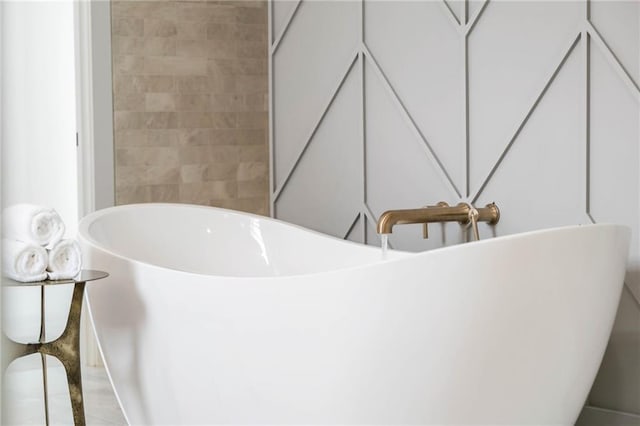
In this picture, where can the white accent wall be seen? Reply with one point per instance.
(38, 138)
(39, 129)
(378, 105)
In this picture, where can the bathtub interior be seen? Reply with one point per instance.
(213, 241)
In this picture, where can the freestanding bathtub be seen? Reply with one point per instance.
(217, 317)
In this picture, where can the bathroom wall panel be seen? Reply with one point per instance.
(370, 233)
(474, 7)
(541, 181)
(430, 54)
(280, 12)
(617, 23)
(457, 7)
(357, 231)
(329, 148)
(513, 49)
(305, 88)
(614, 152)
(546, 123)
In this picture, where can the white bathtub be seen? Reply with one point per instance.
(217, 317)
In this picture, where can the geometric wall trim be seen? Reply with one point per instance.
(533, 105)
(585, 33)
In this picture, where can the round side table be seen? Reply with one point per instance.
(66, 347)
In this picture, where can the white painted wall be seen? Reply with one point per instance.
(39, 98)
(378, 105)
(39, 136)
(2, 348)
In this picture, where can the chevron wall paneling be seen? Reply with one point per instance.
(377, 105)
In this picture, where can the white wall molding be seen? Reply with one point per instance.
(446, 178)
(102, 105)
(327, 104)
(469, 25)
(531, 106)
(613, 60)
(278, 39)
(451, 14)
(85, 110)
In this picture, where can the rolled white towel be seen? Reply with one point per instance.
(23, 261)
(32, 224)
(65, 260)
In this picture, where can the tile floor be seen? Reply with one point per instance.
(24, 400)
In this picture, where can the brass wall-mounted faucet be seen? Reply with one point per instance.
(463, 213)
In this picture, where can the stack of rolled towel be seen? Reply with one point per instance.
(33, 248)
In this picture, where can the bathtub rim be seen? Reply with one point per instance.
(89, 219)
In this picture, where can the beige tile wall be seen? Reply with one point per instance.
(190, 102)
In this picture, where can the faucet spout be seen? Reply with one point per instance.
(442, 212)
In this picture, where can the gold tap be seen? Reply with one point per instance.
(463, 213)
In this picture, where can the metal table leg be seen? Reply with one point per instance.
(66, 348)
(43, 357)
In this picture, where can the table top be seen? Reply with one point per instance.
(84, 276)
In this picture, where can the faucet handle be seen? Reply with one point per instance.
(425, 226)
(473, 221)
